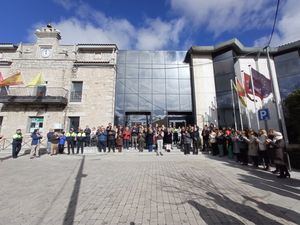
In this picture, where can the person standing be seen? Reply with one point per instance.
(159, 140)
(149, 139)
(61, 143)
(187, 141)
(213, 141)
(141, 142)
(119, 141)
(35, 144)
(220, 142)
(253, 147)
(49, 138)
(277, 143)
(175, 136)
(243, 147)
(168, 139)
(54, 143)
(134, 136)
(87, 132)
(80, 138)
(126, 138)
(235, 146)
(102, 139)
(262, 148)
(196, 140)
(70, 137)
(111, 138)
(205, 136)
(17, 143)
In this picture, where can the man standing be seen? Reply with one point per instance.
(80, 140)
(35, 144)
(87, 132)
(102, 139)
(70, 137)
(111, 138)
(134, 136)
(49, 138)
(17, 143)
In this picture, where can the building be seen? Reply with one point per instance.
(94, 84)
(79, 90)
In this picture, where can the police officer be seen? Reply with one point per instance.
(70, 137)
(17, 143)
(80, 137)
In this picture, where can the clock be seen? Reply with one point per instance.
(45, 52)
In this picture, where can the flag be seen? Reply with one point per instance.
(240, 92)
(262, 85)
(15, 79)
(1, 77)
(36, 81)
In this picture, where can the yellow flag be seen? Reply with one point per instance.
(241, 98)
(15, 79)
(36, 81)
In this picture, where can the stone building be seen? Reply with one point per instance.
(79, 84)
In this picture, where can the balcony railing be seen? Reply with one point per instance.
(34, 95)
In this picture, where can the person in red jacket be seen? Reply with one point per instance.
(126, 137)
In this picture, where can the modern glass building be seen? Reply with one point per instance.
(153, 87)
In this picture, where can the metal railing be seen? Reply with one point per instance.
(40, 91)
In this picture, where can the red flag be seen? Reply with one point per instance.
(1, 77)
(247, 83)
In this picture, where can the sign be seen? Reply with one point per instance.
(263, 114)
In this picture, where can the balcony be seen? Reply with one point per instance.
(41, 95)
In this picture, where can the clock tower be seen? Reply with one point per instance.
(47, 40)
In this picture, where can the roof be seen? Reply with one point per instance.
(239, 48)
(97, 46)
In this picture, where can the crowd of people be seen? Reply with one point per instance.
(262, 148)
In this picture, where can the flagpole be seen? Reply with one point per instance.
(233, 105)
(240, 112)
(253, 92)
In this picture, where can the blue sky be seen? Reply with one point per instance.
(155, 24)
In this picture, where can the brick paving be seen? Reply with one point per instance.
(135, 189)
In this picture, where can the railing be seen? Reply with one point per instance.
(40, 91)
(6, 144)
(34, 95)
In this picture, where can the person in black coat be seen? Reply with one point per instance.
(168, 140)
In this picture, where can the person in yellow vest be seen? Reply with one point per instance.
(17, 143)
(80, 138)
(71, 136)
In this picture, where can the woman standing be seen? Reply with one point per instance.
(262, 147)
(235, 146)
(278, 145)
(196, 140)
(220, 142)
(149, 139)
(213, 141)
(119, 141)
(168, 140)
(243, 146)
(253, 147)
(126, 138)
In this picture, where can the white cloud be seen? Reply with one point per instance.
(92, 26)
(287, 27)
(225, 16)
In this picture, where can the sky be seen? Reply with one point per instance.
(152, 24)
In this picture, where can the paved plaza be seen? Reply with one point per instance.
(142, 188)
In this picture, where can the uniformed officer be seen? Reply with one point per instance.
(17, 143)
(80, 140)
(71, 140)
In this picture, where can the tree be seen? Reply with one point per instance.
(292, 116)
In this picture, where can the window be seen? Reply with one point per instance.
(76, 91)
(74, 122)
(35, 123)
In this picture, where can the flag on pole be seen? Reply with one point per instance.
(15, 79)
(240, 92)
(262, 85)
(36, 81)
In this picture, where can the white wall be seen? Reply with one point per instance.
(205, 92)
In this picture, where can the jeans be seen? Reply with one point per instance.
(102, 146)
(150, 147)
(111, 145)
(134, 141)
(126, 143)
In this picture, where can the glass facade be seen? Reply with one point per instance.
(152, 85)
(224, 72)
(288, 74)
